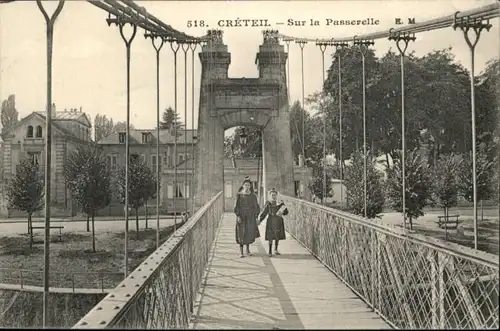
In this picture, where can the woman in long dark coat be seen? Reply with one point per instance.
(246, 210)
(275, 227)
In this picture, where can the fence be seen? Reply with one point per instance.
(412, 281)
(160, 293)
(75, 280)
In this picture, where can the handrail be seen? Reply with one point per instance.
(121, 304)
(448, 247)
(410, 280)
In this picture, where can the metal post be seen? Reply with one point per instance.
(157, 49)
(363, 48)
(405, 38)
(48, 151)
(340, 48)
(302, 43)
(185, 48)
(174, 50)
(121, 22)
(322, 48)
(191, 187)
(477, 26)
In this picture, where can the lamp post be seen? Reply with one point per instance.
(243, 137)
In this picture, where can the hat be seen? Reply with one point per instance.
(273, 190)
(247, 180)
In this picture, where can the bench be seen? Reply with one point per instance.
(448, 222)
(60, 227)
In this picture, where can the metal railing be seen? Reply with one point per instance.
(411, 280)
(75, 280)
(161, 291)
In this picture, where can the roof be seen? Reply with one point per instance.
(166, 137)
(58, 127)
(66, 115)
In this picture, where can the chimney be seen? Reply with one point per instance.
(53, 109)
(81, 109)
(301, 160)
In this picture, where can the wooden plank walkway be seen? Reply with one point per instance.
(290, 291)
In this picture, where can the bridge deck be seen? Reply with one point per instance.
(293, 290)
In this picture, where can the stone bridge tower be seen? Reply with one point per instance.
(227, 102)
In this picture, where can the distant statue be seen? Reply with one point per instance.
(271, 36)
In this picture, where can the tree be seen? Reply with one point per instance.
(171, 120)
(316, 186)
(487, 103)
(88, 179)
(9, 114)
(444, 179)
(354, 181)
(142, 186)
(103, 126)
(418, 184)
(122, 127)
(253, 147)
(25, 191)
(484, 176)
(434, 101)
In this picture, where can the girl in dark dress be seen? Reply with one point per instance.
(275, 227)
(247, 210)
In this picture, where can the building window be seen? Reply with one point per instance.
(142, 158)
(121, 137)
(35, 157)
(153, 163)
(112, 164)
(39, 131)
(182, 190)
(179, 191)
(170, 191)
(180, 158)
(168, 161)
(29, 134)
(134, 157)
(228, 189)
(297, 187)
(145, 136)
(255, 185)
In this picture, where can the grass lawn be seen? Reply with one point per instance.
(72, 260)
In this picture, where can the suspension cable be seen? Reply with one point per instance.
(363, 49)
(185, 48)
(322, 48)
(340, 47)
(174, 50)
(482, 13)
(302, 43)
(193, 46)
(157, 49)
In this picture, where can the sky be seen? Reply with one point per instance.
(89, 66)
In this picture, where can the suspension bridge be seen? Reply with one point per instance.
(339, 270)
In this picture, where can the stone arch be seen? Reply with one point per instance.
(227, 102)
